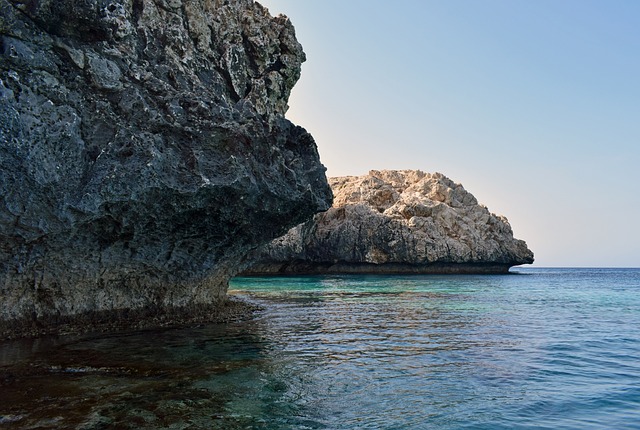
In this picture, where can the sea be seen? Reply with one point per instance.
(538, 348)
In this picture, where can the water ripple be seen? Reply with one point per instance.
(545, 349)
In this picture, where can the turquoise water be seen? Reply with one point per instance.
(536, 349)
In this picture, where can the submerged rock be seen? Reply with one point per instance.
(143, 152)
(396, 222)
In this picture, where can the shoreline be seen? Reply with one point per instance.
(232, 309)
(305, 268)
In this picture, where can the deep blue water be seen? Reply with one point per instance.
(536, 349)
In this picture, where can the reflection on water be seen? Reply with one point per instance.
(355, 352)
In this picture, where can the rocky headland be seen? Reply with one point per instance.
(143, 153)
(396, 222)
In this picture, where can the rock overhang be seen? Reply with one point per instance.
(145, 151)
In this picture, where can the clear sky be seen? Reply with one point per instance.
(534, 106)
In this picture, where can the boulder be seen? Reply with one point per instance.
(143, 152)
(392, 221)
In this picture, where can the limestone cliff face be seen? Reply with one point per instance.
(397, 222)
(143, 151)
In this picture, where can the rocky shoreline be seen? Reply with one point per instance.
(145, 156)
(297, 268)
(229, 310)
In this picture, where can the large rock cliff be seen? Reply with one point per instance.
(396, 222)
(143, 152)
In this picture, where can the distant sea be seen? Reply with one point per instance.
(535, 349)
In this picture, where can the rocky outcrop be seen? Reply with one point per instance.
(143, 152)
(396, 222)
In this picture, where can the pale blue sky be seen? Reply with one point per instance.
(534, 106)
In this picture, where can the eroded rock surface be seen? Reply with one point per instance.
(397, 222)
(143, 151)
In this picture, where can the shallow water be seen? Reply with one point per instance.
(540, 348)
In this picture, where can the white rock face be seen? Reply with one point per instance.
(395, 222)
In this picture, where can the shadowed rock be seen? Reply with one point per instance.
(143, 152)
(396, 222)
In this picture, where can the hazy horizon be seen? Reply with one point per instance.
(532, 106)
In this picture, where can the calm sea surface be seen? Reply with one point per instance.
(536, 349)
